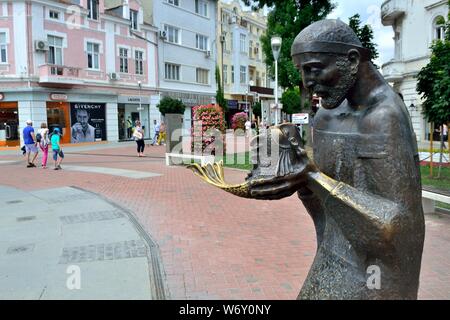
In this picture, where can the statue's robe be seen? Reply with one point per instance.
(365, 204)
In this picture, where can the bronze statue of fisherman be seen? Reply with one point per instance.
(363, 189)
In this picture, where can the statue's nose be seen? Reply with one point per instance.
(310, 84)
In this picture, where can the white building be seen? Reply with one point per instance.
(416, 24)
(186, 50)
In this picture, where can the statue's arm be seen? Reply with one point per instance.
(366, 219)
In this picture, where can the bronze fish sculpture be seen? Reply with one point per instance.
(276, 152)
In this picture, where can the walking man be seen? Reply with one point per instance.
(30, 142)
(157, 128)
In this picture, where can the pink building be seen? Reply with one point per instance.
(63, 60)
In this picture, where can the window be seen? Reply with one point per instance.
(172, 34)
(174, 2)
(201, 42)
(225, 74)
(134, 19)
(139, 56)
(3, 48)
(55, 50)
(202, 76)
(250, 48)
(93, 55)
(53, 15)
(123, 57)
(201, 7)
(243, 46)
(231, 41)
(232, 74)
(172, 71)
(439, 28)
(93, 9)
(243, 74)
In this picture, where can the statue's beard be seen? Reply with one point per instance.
(336, 95)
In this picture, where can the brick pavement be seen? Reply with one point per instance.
(214, 245)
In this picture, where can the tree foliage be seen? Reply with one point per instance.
(170, 105)
(286, 20)
(365, 35)
(434, 80)
(220, 98)
(291, 101)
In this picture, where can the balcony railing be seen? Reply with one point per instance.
(393, 70)
(55, 74)
(391, 10)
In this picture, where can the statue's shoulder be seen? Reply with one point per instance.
(385, 115)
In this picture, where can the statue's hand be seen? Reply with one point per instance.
(278, 177)
(275, 188)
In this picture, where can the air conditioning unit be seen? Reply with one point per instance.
(114, 76)
(40, 45)
(208, 53)
(232, 20)
(162, 35)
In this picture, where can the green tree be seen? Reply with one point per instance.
(169, 105)
(256, 109)
(433, 81)
(286, 19)
(365, 35)
(220, 99)
(291, 101)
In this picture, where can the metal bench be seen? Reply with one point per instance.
(203, 159)
(429, 198)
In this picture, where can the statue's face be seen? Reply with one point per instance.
(329, 76)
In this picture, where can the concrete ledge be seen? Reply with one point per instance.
(429, 200)
(203, 159)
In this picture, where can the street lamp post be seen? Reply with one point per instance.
(276, 48)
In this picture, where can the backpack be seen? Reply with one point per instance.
(38, 137)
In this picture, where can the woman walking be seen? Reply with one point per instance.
(43, 143)
(138, 135)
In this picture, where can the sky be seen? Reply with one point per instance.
(369, 10)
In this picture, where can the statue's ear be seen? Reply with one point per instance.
(355, 58)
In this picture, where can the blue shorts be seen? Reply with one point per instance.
(57, 153)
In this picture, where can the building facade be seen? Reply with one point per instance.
(240, 56)
(187, 52)
(416, 24)
(72, 62)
